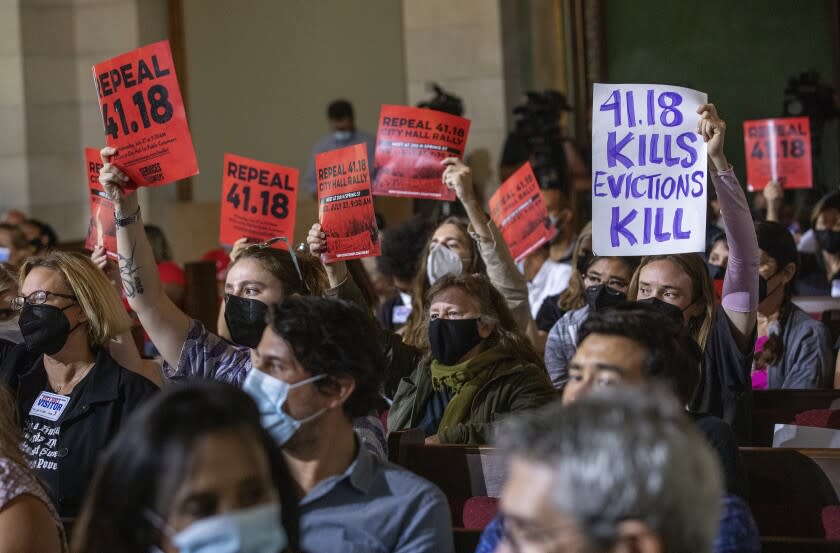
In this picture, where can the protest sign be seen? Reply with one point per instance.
(410, 144)
(648, 170)
(259, 200)
(519, 212)
(102, 228)
(345, 204)
(780, 150)
(143, 115)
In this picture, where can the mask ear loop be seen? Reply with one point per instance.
(271, 241)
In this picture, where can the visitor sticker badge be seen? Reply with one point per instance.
(49, 406)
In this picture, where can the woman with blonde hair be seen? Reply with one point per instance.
(26, 513)
(680, 286)
(75, 397)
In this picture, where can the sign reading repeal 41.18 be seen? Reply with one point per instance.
(143, 115)
(648, 170)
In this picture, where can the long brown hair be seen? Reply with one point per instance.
(701, 290)
(10, 438)
(494, 310)
(415, 333)
(573, 296)
(311, 282)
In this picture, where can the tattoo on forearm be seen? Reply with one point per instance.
(130, 274)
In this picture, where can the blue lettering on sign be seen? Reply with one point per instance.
(655, 227)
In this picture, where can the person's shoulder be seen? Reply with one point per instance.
(404, 482)
(801, 322)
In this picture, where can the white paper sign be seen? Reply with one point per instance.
(49, 406)
(648, 170)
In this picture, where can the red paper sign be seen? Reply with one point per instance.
(345, 204)
(778, 149)
(102, 229)
(259, 200)
(519, 212)
(143, 115)
(410, 144)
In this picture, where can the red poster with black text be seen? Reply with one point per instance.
(410, 144)
(102, 228)
(143, 115)
(519, 212)
(778, 149)
(345, 204)
(259, 200)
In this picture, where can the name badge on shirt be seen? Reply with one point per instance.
(49, 406)
(400, 314)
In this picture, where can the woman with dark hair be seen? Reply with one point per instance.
(192, 470)
(792, 350)
(819, 273)
(480, 367)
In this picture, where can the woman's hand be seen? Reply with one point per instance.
(99, 257)
(238, 247)
(316, 240)
(713, 129)
(458, 176)
(116, 183)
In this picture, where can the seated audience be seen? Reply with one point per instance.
(402, 248)
(14, 247)
(75, 397)
(557, 497)
(9, 328)
(481, 367)
(317, 369)
(819, 273)
(555, 306)
(40, 235)
(606, 280)
(718, 257)
(191, 483)
(28, 520)
(796, 350)
(680, 286)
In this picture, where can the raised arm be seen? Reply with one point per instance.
(740, 285)
(166, 325)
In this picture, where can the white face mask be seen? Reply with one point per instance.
(342, 136)
(441, 262)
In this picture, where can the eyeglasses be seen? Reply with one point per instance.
(270, 242)
(614, 283)
(37, 298)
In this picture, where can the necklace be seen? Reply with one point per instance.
(59, 389)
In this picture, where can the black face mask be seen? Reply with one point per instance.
(601, 297)
(829, 240)
(717, 272)
(45, 328)
(668, 309)
(451, 339)
(762, 287)
(245, 320)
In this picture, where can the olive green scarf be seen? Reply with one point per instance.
(465, 379)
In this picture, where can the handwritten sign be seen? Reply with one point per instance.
(648, 170)
(410, 144)
(519, 211)
(143, 115)
(778, 149)
(260, 200)
(345, 204)
(102, 228)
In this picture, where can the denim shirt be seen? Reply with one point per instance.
(375, 507)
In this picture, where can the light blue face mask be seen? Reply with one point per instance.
(270, 395)
(342, 136)
(254, 530)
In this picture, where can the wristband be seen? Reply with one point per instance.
(125, 221)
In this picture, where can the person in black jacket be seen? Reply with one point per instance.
(75, 397)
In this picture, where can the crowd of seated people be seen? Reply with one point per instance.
(268, 430)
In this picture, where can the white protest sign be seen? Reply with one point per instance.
(648, 170)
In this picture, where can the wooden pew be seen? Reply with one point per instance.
(798, 545)
(788, 489)
(771, 407)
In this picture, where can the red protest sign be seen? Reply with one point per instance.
(410, 144)
(345, 204)
(778, 149)
(102, 228)
(259, 200)
(143, 115)
(519, 212)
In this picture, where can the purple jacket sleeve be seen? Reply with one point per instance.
(740, 285)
